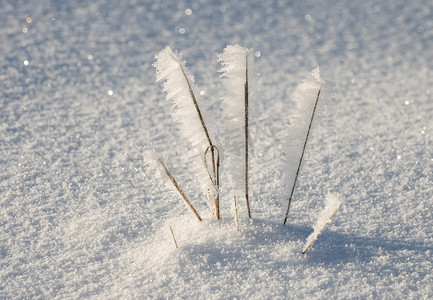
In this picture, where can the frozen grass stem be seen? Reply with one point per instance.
(174, 239)
(302, 156)
(236, 213)
(313, 237)
(246, 136)
(212, 147)
(170, 176)
(180, 89)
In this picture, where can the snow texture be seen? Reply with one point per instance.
(237, 63)
(332, 204)
(82, 217)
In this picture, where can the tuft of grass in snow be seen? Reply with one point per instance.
(236, 66)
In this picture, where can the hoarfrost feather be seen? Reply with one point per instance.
(304, 98)
(153, 161)
(181, 92)
(332, 204)
(237, 63)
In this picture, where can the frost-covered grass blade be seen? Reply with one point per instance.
(236, 213)
(192, 118)
(170, 176)
(237, 63)
(332, 205)
(306, 97)
(162, 171)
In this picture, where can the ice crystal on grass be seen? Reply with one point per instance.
(305, 98)
(332, 204)
(189, 111)
(236, 68)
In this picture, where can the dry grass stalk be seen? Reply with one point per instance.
(174, 239)
(212, 147)
(236, 214)
(246, 136)
(180, 191)
(302, 156)
(216, 178)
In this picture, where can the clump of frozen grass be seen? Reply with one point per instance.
(332, 204)
(188, 110)
(237, 63)
(193, 119)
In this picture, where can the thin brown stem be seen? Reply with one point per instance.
(246, 136)
(215, 179)
(236, 214)
(174, 239)
(180, 190)
(302, 156)
(197, 108)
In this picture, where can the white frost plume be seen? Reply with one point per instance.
(332, 204)
(151, 159)
(188, 110)
(304, 98)
(237, 63)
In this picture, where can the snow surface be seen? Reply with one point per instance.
(82, 216)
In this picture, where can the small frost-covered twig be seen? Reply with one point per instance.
(181, 91)
(306, 97)
(332, 204)
(162, 171)
(174, 239)
(236, 67)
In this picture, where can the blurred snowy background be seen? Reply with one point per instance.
(81, 216)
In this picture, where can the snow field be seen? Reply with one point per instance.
(82, 217)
